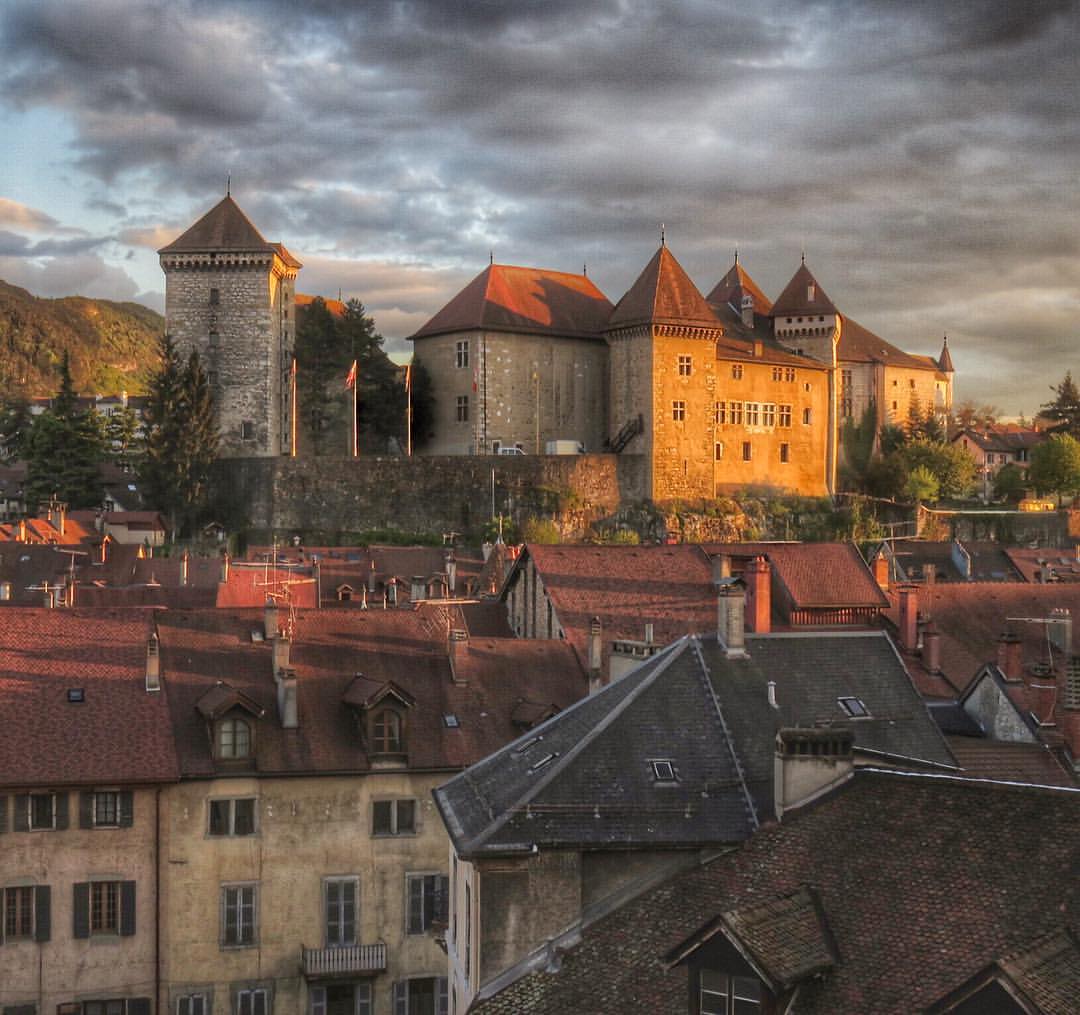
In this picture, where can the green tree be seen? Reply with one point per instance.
(15, 424)
(181, 439)
(423, 405)
(922, 485)
(121, 430)
(1009, 483)
(1055, 466)
(64, 450)
(1064, 410)
(952, 467)
(858, 441)
(891, 438)
(322, 362)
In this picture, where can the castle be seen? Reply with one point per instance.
(703, 394)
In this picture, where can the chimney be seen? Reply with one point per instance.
(416, 589)
(286, 698)
(153, 664)
(758, 575)
(772, 694)
(809, 762)
(280, 657)
(104, 549)
(721, 568)
(270, 619)
(909, 617)
(747, 311)
(730, 618)
(1061, 630)
(371, 582)
(595, 654)
(451, 573)
(457, 643)
(363, 597)
(759, 348)
(22, 530)
(48, 596)
(225, 567)
(881, 570)
(184, 558)
(70, 585)
(1009, 655)
(648, 634)
(931, 650)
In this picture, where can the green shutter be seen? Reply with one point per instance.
(42, 912)
(81, 907)
(127, 908)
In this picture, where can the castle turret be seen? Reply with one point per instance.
(230, 295)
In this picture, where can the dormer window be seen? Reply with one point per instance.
(387, 736)
(233, 739)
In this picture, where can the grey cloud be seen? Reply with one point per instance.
(14, 245)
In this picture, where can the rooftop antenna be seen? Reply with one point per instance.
(663, 241)
(491, 257)
(804, 256)
(228, 185)
(585, 270)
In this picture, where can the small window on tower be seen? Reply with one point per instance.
(685, 366)
(247, 430)
(736, 371)
(785, 454)
(215, 297)
(678, 411)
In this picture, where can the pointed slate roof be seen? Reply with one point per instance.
(796, 299)
(945, 360)
(225, 227)
(860, 345)
(736, 284)
(663, 294)
(505, 297)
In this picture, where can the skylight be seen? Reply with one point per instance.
(664, 770)
(76, 694)
(854, 707)
(450, 721)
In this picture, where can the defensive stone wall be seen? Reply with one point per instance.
(422, 494)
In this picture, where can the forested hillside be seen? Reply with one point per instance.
(111, 345)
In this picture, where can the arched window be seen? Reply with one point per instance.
(386, 735)
(234, 739)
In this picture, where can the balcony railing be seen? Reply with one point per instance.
(348, 960)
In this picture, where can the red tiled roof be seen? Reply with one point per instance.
(120, 733)
(736, 284)
(1008, 762)
(663, 294)
(250, 585)
(336, 307)
(535, 300)
(795, 298)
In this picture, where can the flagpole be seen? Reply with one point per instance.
(292, 414)
(355, 427)
(408, 410)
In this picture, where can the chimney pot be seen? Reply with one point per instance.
(595, 653)
(280, 654)
(648, 634)
(772, 694)
(270, 619)
(1009, 655)
(731, 611)
(931, 651)
(153, 664)
(909, 617)
(287, 707)
(457, 642)
(881, 570)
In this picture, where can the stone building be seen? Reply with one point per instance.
(230, 296)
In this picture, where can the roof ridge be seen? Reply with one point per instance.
(661, 661)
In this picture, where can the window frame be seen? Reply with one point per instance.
(768, 414)
(239, 905)
(747, 451)
(195, 995)
(462, 410)
(735, 413)
(353, 881)
(249, 994)
(678, 410)
(434, 905)
(736, 371)
(753, 413)
(104, 911)
(31, 822)
(230, 822)
(95, 813)
(396, 826)
(685, 365)
(384, 740)
(24, 913)
(461, 354)
(234, 723)
(785, 453)
(247, 430)
(783, 416)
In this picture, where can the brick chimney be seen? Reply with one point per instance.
(731, 617)
(280, 653)
(71, 584)
(270, 619)
(931, 650)
(881, 570)
(758, 576)
(909, 617)
(153, 664)
(809, 762)
(457, 644)
(1009, 655)
(371, 580)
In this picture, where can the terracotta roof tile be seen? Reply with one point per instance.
(663, 294)
(1009, 762)
(1048, 972)
(860, 345)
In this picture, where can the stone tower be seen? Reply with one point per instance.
(231, 295)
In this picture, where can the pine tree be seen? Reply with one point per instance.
(1065, 408)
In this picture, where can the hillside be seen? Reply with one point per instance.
(111, 345)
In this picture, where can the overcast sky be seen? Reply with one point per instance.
(924, 154)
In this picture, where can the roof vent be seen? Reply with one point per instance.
(76, 694)
(547, 759)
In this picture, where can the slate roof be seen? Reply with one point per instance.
(1062, 564)
(120, 733)
(981, 758)
(736, 284)
(663, 294)
(860, 345)
(1048, 972)
(584, 777)
(225, 228)
(915, 900)
(945, 363)
(989, 561)
(330, 647)
(1002, 438)
(793, 300)
(505, 297)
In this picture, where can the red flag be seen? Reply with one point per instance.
(351, 379)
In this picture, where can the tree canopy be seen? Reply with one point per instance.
(1064, 409)
(1055, 466)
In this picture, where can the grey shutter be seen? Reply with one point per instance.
(21, 818)
(81, 905)
(61, 811)
(401, 998)
(441, 909)
(127, 808)
(442, 996)
(42, 912)
(348, 912)
(86, 810)
(416, 905)
(127, 908)
(3, 814)
(138, 1006)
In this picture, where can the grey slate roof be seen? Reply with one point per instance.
(598, 788)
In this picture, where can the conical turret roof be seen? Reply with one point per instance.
(223, 227)
(945, 360)
(663, 294)
(736, 284)
(803, 295)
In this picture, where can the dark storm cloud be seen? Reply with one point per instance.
(922, 154)
(14, 245)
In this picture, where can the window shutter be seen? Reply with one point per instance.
(401, 998)
(20, 820)
(416, 905)
(82, 908)
(348, 912)
(318, 1001)
(61, 811)
(442, 899)
(127, 908)
(42, 912)
(258, 1002)
(138, 1006)
(3, 814)
(442, 1000)
(127, 809)
(86, 810)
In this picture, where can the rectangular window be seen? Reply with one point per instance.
(426, 996)
(685, 366)
(463, 408)
(106, 809)
(714, 993)
(721, 413)
(808, 416)
(238, 916)
(215, 297)
(719, 450)
(785, 454)
(736, 371)
(42, 811)
(678, 411)
(753, 414)
(393, 817)
(104, 907)
(191, 1004)
(785, 416)
(18, 912)
(340, 896)
(746, 451)
(213, 337)
(427, 901)
(361, 1001)
(253, 1002)
(247, 430)
(768, 414)
(789, 374)
(847, 408)
(461, 354)
(777, 373)
(735, 412)
(232, 817)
